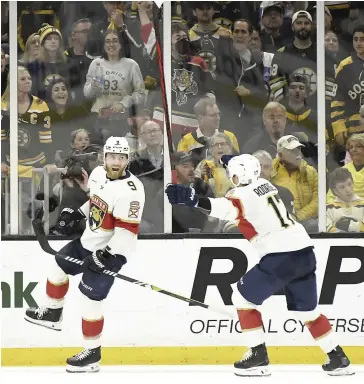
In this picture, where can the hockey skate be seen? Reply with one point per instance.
(254, 362)
(45, 317)
(337, 363)
(86, 361)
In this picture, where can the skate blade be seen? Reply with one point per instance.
(47, 324)
(256, 371)
(347, 371)
(90, 368)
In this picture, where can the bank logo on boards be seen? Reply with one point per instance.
(18, 294)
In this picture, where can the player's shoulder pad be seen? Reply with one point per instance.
(97, 173)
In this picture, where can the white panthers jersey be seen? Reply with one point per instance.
(262, 218)
(113, 212)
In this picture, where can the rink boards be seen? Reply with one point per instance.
(146, 327)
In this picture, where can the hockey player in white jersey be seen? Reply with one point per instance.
(286, 261)
(113, 213)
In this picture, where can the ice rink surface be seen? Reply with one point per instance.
(287, 374)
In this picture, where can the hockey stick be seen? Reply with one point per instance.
(43, 242)
(162, 79)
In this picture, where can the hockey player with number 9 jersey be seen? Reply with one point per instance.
(113, 213)
(286, 261)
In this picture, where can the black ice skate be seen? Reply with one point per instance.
(46, 317)
(337, 363)
(254, 362)
(85, 361)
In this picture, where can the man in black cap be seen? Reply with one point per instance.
(186, 219)
(272, 21)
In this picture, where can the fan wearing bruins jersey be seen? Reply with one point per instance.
(298, 57)
(34, 126)
(349, 91)
(204, 36)
(113, 213)
(346, 212)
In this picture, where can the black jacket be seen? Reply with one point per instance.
(239, 114)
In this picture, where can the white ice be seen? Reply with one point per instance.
(286, 374)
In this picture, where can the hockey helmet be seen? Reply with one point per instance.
(117, 145)
(245, 167)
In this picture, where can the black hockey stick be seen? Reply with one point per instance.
(162, 77)
(43, 242)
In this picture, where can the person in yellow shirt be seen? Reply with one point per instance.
(292, 172)
(199, 142)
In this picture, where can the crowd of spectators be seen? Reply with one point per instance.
(243, 80)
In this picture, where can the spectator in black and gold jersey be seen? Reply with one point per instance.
(205, 34)
(301, 117)
(348, 91)
(34, 140)
(34, 129)
(65, 116)
(300, 57)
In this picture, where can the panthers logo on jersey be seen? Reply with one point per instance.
(98, 211)
(183, 84)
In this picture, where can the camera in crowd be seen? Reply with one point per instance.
(79, 160)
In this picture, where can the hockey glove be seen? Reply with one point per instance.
(101, 260)
(348, 224)
(67, 220)
(181, 194)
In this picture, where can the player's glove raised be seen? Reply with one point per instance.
(181, 194)
(67, 220)
(225, 160)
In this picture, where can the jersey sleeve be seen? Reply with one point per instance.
(330, 220)
(277, 76)
(226, 208)
(338, 116)
(45, 136)
(127, 215)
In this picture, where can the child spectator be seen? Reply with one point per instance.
(346, 212)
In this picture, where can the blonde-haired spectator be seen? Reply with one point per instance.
(31, 50)
(211, 171)
(355, 147)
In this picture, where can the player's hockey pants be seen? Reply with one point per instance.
(294, 272)
(93, 285)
